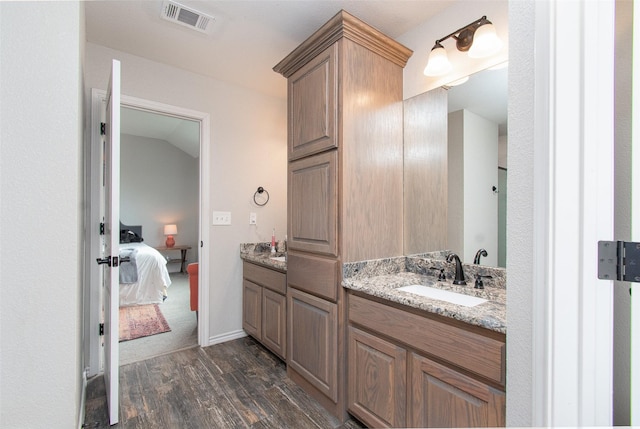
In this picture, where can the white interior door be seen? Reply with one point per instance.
(111, 183)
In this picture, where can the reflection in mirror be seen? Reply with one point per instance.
(477, 140)
(452, 167)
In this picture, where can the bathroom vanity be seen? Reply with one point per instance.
(264, 306)
(412, 360)
(420, 362)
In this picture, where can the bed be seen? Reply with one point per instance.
(144, 279)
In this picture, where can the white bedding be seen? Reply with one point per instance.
(153, 277)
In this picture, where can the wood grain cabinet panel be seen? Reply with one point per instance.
(344, 185)
(312, 204)
(267, 277)
(252, 309)
(377, 380)
(264, 309)
(313, 274)
(312, 340)
(274, 318)
(312, 93)
(442, 397)
(483, 355)
(387, 343)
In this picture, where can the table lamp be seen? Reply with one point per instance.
(169, 231)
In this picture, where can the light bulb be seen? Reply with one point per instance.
(438, 63)
(485, 41)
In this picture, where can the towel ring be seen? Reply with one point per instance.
(260, 191)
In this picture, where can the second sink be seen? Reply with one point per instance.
(443, 295)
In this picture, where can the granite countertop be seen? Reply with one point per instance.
(382, 278)
(385, 283)
(260, 254)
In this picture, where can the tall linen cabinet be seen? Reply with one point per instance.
(345, 187)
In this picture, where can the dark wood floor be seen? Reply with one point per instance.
(231, 385)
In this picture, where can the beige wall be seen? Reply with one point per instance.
(40, 214)
(248, 149)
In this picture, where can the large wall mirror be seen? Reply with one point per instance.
(456, 169)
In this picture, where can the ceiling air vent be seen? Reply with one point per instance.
(175, 12)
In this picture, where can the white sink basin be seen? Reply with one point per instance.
(279, 258)
(443, 295)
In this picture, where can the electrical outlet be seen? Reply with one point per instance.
(253, 219)
(221, 218)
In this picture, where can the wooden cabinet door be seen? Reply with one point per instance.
(252, 309)
(312, 204)
(312, 93)
(274, 312)
(312, 331)
(377, 380)
(442, 397)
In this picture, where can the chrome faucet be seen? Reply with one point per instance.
(479, 253)
(459, 277)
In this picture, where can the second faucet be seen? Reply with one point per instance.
(459, 277)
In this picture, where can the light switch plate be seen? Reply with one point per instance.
(253, 219)
(221, 218)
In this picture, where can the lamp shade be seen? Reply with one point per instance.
(170, 229)
(485, 41)
(438, 63)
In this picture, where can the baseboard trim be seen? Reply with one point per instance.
(223, 338)
(83, 400)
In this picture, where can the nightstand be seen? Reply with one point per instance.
(183, 254)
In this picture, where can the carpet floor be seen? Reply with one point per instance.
(183, 323)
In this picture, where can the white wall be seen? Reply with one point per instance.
(40, 214)
(472, 171)
(248, 149)
(481, 174)
(521, 357)
(159, 185)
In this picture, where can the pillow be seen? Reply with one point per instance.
(128, 236)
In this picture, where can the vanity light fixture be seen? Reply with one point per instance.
(479, 39)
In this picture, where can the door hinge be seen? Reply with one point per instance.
(619, 260)
(101, 228)
(101, 328)
(103, 128)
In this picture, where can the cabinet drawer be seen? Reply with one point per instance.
(318, 276)
(479, 354)
(262, 276)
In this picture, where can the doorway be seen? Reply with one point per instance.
(200, 247)
(159, 186)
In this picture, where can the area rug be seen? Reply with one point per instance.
(141, 321)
